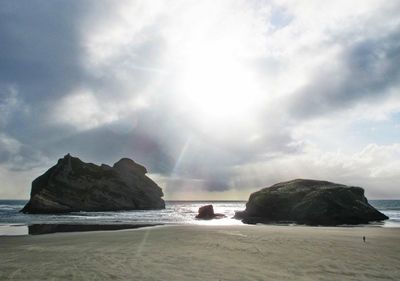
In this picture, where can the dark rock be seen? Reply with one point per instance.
(309, 202)
(72, 185)
(207, 213)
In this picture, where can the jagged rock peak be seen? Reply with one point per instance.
(127, 164)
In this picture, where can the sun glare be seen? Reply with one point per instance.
(216, 87)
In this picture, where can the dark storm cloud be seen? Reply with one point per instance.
(365, 70)
(41, 61)
(39, 47)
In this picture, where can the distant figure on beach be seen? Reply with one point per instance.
(364, 239)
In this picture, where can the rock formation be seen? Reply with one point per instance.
(309, 202)
(72, 185)
(207, 213)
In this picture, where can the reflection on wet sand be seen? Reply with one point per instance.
(36, 229)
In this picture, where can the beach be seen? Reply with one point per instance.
(189, 252)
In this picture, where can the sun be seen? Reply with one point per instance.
(216, 87)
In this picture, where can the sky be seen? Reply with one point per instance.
(216, 98)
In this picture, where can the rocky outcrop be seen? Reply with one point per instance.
(72, 185)
(309, 202)
(207, 213)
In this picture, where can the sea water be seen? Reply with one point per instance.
(13, 222)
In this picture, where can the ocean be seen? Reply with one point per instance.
(12, 222)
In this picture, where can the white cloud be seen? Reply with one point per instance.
(374, 167)
(85, 110)
(10, 103)
(9, 145)
(82, 110)
(17, 184)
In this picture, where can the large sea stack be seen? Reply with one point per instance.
(310, 202)
(73, 185)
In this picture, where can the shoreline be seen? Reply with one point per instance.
(20, 229)
(193, 252)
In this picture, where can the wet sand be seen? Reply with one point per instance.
(205, 253)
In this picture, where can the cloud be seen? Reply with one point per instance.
(10, 104)
(364, 70)
(82, 110)
(219, 96)
(374, 167)
(40, 44)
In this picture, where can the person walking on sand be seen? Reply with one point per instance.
(364, 239)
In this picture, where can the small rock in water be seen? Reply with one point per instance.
(207, 213)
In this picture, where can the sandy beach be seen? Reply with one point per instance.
(205, 253)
